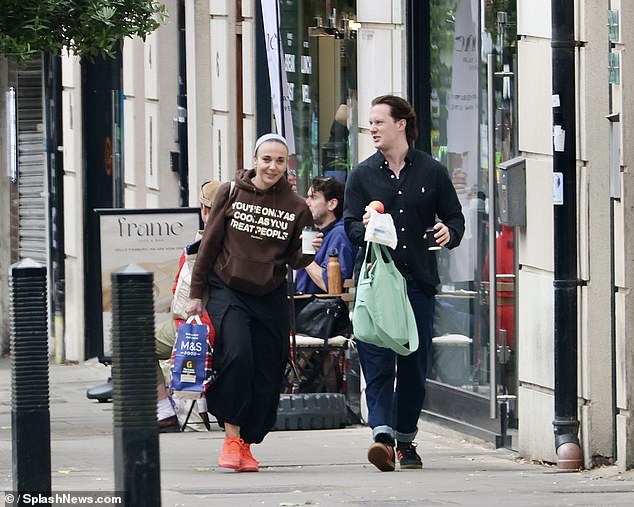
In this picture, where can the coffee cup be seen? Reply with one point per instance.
(308, 235)
(430, 240)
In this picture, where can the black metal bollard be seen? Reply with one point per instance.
(136, 443)
(30, 415)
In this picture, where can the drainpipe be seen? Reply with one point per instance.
(566, 283)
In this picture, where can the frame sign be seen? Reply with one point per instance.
(153, 239)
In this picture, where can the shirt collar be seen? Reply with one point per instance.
(330, 226)
(382, 162)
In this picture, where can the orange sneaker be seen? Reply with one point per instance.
(231, 453)
(247, 462)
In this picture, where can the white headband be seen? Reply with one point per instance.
(269, 137)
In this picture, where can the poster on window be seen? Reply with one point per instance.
(152, 239)
(462, 133)
(277, 75)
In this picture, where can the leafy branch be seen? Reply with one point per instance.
(87, 28)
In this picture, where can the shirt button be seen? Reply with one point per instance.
(400, 211)
(392, 176)
(400, 193)
(402, 229)
(404, 246)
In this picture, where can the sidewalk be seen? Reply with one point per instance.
(299, 468)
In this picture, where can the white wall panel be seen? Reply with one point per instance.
(150, 66)
(373, 11)
(535, 328)
(620, 268)
(72, 151)
(536, 438)
(72, 216)
(74, 301)
(129, 197)
(220, 148)
(536, 245)
(248, 67)
(220, 67)
(129, 142)
(366, 147)
(533, 18)
(374, 68)
(129, 67)
(221, 7)
(248, 136)
(535, 92)
(151, 145)
(152, 200)
(71, 70)
(248, 7)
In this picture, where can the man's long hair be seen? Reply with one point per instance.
(400, 109)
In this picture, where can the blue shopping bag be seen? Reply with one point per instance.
(189, 358)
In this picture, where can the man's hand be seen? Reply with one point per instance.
(317, 241)
(194, 307)
(442, 234)
(366, 218)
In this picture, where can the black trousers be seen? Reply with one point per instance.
(250, 356)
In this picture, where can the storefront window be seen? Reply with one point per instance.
(320, 60)
(464, 32)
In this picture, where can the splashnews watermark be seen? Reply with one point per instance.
(63, 498)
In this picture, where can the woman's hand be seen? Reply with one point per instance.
(194, 307)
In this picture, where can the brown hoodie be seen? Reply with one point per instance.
(250, 237)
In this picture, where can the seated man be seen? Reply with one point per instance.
(165, 334)
(325, 200)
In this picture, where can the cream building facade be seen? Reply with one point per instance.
(222, 81)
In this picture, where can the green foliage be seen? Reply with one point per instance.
(88, 28)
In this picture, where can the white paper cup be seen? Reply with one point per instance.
(308, 235)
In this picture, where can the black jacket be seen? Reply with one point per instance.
(422, 192)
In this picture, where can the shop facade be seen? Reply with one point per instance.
(477, 72)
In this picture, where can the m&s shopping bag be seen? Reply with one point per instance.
(189, 357)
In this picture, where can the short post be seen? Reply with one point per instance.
(30, 414)
(504, 439)
(136, 442)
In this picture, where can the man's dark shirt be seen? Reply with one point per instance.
(422, 191)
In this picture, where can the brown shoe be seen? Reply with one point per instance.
(169, 425)
(381, 456)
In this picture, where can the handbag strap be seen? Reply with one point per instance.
(195, 319)
(378, 253)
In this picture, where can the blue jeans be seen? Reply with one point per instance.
(394, 409)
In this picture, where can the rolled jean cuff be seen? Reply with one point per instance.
(377, 430)
(405, 437)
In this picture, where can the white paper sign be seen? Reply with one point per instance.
(558, 188)
(559, 138)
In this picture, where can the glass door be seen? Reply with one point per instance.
(320, 53)
(473, 352)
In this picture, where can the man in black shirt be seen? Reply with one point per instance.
(416, 190)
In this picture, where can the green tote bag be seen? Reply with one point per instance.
(383, 315)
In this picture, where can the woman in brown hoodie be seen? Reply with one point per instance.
(253, 234)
